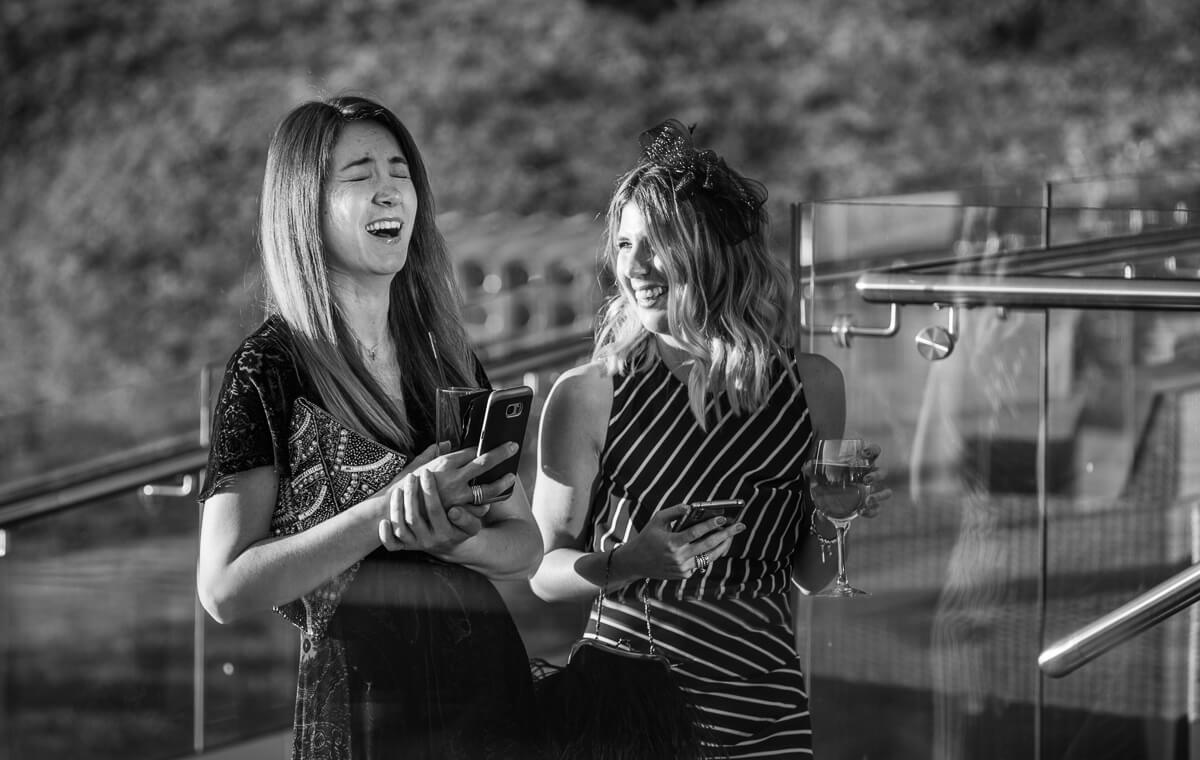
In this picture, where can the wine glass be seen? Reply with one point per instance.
(839, 493)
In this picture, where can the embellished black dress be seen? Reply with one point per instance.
(419, 658)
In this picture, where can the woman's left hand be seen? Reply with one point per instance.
(418, 520)
(877, 491)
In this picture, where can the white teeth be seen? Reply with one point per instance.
(648, 295)
(386, 224)
(386, 229)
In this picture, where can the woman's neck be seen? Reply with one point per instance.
(675, 357)
(366, 316)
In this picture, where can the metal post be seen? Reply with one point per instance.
(1193, 646)
(198, 689)
(1043, 451)
(198, 613)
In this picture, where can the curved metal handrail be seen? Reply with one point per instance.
(1139, 614)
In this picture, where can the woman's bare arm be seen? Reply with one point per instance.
(243, 568)
(570, 440)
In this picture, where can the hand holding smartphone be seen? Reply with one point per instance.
(699, 511)
(504, 419)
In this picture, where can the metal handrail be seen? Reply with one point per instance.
(69, 487)
(1030, 291)
(75, 475)
(1135, 616)
(131, 477)
(1015, 279)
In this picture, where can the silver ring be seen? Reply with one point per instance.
(477, 494)
(702, 562)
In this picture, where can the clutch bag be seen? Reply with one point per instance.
(330, 469)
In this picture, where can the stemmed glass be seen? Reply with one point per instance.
(839, 494)
(452, 408)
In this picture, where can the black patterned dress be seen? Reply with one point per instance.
(728, 631)
(420, 658)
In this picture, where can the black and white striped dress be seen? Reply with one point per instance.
(728, 631)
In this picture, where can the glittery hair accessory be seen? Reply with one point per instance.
(733, 202)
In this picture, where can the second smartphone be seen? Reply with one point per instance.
(699, 511)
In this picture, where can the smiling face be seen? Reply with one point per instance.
(370, 205)
(639, 271)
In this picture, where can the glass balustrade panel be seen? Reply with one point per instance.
(939, 662)
(1093, 207)
(1123, 516)
(97, 634)
(90, 427)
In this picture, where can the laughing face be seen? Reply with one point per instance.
(639, 271)
(370, 204)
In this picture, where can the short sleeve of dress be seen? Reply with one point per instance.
(249, 426)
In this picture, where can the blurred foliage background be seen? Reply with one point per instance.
(134, 131)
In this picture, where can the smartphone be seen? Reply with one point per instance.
(699, 511)
(505, 417)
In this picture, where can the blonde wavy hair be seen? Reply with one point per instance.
(725, 301)
(424, 298)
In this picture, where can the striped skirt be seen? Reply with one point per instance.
(736, 658)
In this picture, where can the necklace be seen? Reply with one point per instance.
(370, 351)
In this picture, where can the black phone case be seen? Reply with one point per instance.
(505, 419)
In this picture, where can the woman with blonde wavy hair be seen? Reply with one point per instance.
(694, 394)
(324, 496)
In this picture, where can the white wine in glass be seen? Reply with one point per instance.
(839, 494)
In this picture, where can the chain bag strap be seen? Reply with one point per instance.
(611, 700)
(622, 645)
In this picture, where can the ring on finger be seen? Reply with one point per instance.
(702, 562)
(476, 494)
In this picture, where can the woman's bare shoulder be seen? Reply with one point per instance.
(818, 371)
(578, 406)
(825, 392)
(586, 384)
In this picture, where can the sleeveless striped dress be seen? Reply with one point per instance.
(727, 631)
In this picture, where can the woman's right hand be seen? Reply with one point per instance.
(658, 552)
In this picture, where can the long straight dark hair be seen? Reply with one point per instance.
(423, 299)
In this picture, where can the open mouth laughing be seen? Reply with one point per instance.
(386, 229)
(648, 295)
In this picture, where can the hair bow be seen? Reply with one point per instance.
(702, 177)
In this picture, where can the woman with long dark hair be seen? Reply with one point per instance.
(324, 496)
